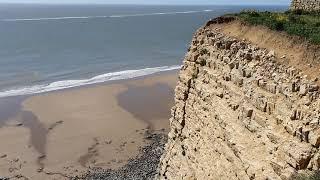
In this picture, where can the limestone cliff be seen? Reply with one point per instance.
(308, 5)
(241, 112)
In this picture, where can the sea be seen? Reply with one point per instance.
(45, 47)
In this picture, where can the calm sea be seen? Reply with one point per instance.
(50, 47)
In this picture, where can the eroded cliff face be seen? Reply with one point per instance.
(308, 5)
(240, 114)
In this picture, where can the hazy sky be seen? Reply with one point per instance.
(285, 2)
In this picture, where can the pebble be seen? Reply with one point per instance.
(19, 124)
(108, 142)
(144, 166)
(39, 170)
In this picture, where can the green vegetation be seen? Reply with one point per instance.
(304, 24)
(313, 176)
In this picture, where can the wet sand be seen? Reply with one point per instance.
(61, 134)
(148, 103)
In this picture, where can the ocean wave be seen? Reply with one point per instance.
(112, 16)
(59, 85)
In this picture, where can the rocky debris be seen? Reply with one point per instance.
(42, 156)
(18, 124)
(55, 125)
(3, 156)
(307, 5)
(108, 142)
(240, 114)
(39, 170)
(144, 166)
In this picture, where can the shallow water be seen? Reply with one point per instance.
(49, 47)
(11, 109)
(148, 103)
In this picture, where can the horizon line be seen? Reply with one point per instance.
(146, 4)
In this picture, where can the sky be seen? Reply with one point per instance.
(169, 2)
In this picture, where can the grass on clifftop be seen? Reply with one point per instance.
(304, 24)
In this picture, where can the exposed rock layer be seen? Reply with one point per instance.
(240, 114)
(290, 50)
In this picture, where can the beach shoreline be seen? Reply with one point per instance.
(61, 134)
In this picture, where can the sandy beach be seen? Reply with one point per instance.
(61, 134)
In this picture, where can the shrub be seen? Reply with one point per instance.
(292, 18)
(298, 12)
(279, 26)
(300, 23)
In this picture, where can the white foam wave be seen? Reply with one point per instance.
(112, 16)
(59, 85)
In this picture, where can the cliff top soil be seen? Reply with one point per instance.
(290, 50)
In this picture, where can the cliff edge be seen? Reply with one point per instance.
(246, 106)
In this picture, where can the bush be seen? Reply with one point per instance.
(315, 39)
(252, 13)
(298, 12)
(279, 26)
(292, 18)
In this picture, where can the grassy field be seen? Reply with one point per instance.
(304, 24)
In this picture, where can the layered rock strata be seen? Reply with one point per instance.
(239, 114)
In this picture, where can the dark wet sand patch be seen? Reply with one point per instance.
(11, 108)
(38, 133)
(148, 102)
